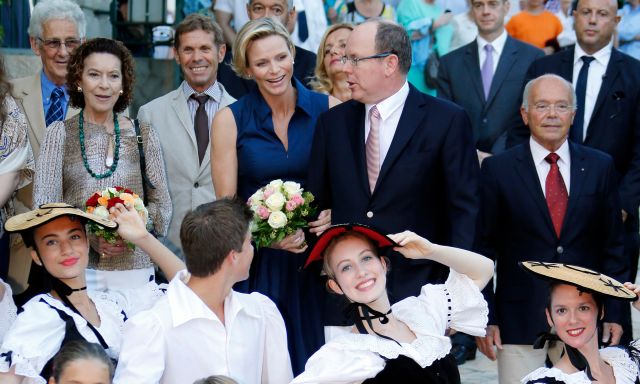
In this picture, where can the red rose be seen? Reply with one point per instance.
(127, 190)
(119, 189)
(93, 200)
(112, 202)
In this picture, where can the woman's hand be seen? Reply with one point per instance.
(444, 19)
(636, 289)
(293, 243)
(131, 227)
(323, 222)
(412, 246)
(106, 249)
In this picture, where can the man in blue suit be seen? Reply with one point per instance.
(608, 115)
(547, 200)
(486, 76)
(394, 158)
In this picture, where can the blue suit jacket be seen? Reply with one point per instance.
(514, 225)
(615, 124)
(460, 81)
(427, 183)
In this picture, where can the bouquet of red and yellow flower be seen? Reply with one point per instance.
(99, 204)
(279, 209)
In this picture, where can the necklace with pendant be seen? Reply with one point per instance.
(110, 162)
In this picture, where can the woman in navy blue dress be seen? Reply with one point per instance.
(267, 135)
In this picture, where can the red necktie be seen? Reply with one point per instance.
(556, 193)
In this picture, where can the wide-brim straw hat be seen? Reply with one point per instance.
(381, 240)
(48, 212)
(581, 277)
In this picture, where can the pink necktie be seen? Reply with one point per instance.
(556, 193)
(373, 147)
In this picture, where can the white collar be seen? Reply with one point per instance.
(389, 105)
(497, 44)
(538, 152)
(186, 305)
(602, 56)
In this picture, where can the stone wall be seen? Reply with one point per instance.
(154, 77)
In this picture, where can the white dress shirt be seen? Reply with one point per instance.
(211, 106)
(498, 47)
(538, 152)
(597, 69)
(390, 111)
(353, 357)
(180, 340)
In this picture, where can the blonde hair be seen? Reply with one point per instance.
(252, 31)
(321, 81)
(217, 379)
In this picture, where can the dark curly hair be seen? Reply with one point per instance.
(76, 67)
(5, 91)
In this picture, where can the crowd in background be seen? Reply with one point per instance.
(507, 129)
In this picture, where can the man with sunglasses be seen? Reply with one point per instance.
(394, 158)
(57, 27)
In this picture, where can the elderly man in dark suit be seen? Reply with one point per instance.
(394, 158)
(486, 76)
(607, 84)
(545, 200)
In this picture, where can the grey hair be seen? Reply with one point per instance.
(392, 37)
(290, 4)
(47, 10)
(530, 83)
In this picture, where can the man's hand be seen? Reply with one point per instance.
(485, 344)
(624, 215)
(611, 332)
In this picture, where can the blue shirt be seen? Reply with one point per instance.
(628, 28)
(47, 86)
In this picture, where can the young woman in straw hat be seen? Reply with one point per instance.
(574, 310)
(405, 342)
(58, 240)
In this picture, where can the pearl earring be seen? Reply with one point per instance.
(79, 89)
(121, 92)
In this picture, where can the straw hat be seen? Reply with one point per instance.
(48, 212)
(378, 238)
(579, 276)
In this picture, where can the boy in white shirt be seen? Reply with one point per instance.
(202, 327)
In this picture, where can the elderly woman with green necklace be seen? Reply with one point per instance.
(98, 149)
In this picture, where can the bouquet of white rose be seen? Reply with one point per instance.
(279, 209)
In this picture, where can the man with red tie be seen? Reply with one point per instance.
(545, 200)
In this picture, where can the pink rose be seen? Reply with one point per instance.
(263, 212)
(297, 199)
(268, 191)
(291, 205)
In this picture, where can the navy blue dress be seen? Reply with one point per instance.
(261, 159)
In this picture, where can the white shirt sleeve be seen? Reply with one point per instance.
(276, 366)
(337, 365)
(458, 303)
(7, 310)
(224, 6)
(136, 300)
(32, 340)
(142, 357)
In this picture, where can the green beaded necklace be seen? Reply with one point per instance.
(83, 152)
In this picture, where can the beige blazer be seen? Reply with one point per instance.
(190, 183)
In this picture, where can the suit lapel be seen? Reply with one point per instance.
(182, 111)
(505, 62)
(578, 175)
(610, 77)
(526, 169)
(355, 125)
(472, 60)
(410, 118)
(566, 69)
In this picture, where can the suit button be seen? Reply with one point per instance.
(369, 214)
(484, 120)
(560, 250)
(196, 185)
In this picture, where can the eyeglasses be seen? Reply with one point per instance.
(55, 44)
(561, 108)
(355, 60)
